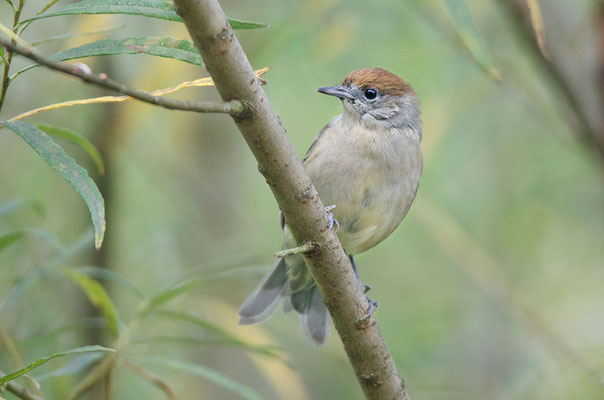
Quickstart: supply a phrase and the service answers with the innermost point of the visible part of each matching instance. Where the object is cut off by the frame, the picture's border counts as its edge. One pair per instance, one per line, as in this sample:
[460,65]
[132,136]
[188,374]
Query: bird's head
[378,99]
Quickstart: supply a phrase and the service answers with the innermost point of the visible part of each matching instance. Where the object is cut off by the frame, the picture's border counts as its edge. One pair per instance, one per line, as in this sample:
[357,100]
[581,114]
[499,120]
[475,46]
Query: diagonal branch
[235,108]
[20,391]
[575,70]
[278,162]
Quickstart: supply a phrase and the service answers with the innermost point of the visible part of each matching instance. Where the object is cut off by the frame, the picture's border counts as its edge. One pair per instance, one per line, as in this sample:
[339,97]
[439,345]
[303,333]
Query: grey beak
[338,91]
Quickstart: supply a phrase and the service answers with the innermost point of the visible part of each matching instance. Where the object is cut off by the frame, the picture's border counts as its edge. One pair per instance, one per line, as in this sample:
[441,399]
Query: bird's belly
[368,210]
[372,183]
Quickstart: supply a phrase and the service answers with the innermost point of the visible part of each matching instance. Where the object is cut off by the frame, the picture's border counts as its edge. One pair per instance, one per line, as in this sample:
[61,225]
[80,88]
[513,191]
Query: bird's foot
[373,305]
[366,288]
[332,221]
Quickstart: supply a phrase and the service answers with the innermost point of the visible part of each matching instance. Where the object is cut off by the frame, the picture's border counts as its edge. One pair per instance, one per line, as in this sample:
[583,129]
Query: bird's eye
[370,94]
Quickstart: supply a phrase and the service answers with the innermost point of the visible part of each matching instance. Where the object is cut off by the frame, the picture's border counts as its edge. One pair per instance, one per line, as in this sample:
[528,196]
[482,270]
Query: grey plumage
[266,297]
[276,287]
[367,161]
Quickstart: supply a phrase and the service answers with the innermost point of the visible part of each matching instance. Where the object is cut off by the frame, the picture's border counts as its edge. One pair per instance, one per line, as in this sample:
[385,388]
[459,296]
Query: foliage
[491,287]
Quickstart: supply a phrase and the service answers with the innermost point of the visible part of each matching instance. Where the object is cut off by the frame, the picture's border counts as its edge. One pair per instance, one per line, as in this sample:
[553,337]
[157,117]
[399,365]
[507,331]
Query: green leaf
[44,360]
[181,50]
[73,367]
[211,375]
[47,6]
[226,338]
[77,327]
[9,239]
[465,28]
[104,274]
[49,237]
[168,294]
[11,206]
[81,141]
[65,36]
[77,176]
[97,295]
[148,8]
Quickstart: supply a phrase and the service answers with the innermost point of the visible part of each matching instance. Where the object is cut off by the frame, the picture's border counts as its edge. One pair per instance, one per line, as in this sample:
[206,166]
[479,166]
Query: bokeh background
[492,287]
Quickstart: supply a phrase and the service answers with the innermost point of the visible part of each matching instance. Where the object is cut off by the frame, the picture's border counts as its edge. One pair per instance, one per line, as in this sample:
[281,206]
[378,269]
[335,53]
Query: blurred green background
[492,287]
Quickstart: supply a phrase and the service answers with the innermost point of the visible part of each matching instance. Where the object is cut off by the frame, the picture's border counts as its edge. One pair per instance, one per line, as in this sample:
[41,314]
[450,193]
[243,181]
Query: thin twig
[308,246]
[20,391]
[115,99]
[236,108]
[150,377]
[93,376]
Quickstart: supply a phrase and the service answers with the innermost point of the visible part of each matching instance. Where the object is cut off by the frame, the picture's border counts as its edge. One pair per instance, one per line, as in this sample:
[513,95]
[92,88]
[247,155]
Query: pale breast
[371,179]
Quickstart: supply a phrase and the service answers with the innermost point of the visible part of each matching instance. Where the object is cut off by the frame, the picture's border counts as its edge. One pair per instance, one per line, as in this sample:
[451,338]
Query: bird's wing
[319,136]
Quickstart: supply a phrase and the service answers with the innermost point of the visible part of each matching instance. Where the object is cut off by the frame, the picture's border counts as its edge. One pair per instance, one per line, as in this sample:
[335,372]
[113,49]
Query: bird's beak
[338,91]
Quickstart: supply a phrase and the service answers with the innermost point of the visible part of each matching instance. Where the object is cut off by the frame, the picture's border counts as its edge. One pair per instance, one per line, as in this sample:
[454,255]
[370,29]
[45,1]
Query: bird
[366,163]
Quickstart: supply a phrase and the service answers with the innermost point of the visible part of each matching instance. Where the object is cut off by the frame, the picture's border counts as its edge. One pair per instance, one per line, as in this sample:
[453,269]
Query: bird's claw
[373,305]
[366,288]
[332,221]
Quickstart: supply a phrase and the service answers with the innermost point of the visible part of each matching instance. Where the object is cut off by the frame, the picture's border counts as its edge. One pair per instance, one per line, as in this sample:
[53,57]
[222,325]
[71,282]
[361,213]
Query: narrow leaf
[77,176]
[47,6]
[17,203]
[97,295]
[44,360]
[168,294]
[48,237]
[81,141]
[104,274]
[161,9]
[211,375]
[77,327]
[211,342]
[11,206]
[537,22]
[73,366]
[65,36]
[227,338]
[9,239]
[465,28]
[181,50]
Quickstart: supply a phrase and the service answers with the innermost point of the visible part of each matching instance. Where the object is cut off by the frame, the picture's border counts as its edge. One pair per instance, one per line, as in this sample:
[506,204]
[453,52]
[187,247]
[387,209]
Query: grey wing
[309,152]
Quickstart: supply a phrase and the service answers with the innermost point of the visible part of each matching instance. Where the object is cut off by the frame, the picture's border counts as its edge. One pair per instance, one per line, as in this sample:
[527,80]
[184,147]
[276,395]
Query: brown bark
[278,162]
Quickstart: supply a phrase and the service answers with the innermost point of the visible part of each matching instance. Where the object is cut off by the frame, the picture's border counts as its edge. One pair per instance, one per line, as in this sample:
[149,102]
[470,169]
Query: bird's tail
[266,297]
[275,287]
[313,314]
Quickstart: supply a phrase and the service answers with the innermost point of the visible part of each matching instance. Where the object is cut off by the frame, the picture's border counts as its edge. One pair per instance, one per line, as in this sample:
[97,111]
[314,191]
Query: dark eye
[370,94]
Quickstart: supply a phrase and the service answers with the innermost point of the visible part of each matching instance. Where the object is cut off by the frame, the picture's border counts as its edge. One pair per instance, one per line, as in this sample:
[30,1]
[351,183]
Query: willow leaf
[57,159]
[161,9]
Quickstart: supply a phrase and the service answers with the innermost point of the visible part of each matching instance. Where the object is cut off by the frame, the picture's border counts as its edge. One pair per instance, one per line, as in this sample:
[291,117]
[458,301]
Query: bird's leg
[332,221]
[373,305]
[366,288]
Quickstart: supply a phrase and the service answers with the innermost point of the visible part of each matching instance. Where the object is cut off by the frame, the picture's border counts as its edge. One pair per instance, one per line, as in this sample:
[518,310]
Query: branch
[580,80]
[20,391]
[235,108]
[278,162]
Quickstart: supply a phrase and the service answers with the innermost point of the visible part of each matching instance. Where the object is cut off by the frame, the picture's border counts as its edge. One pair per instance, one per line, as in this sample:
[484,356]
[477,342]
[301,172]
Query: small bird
[367,162]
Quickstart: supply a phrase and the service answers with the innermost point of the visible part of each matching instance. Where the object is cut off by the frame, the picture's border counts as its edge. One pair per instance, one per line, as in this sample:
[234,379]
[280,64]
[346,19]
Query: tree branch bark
[305,214]
[234,107]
